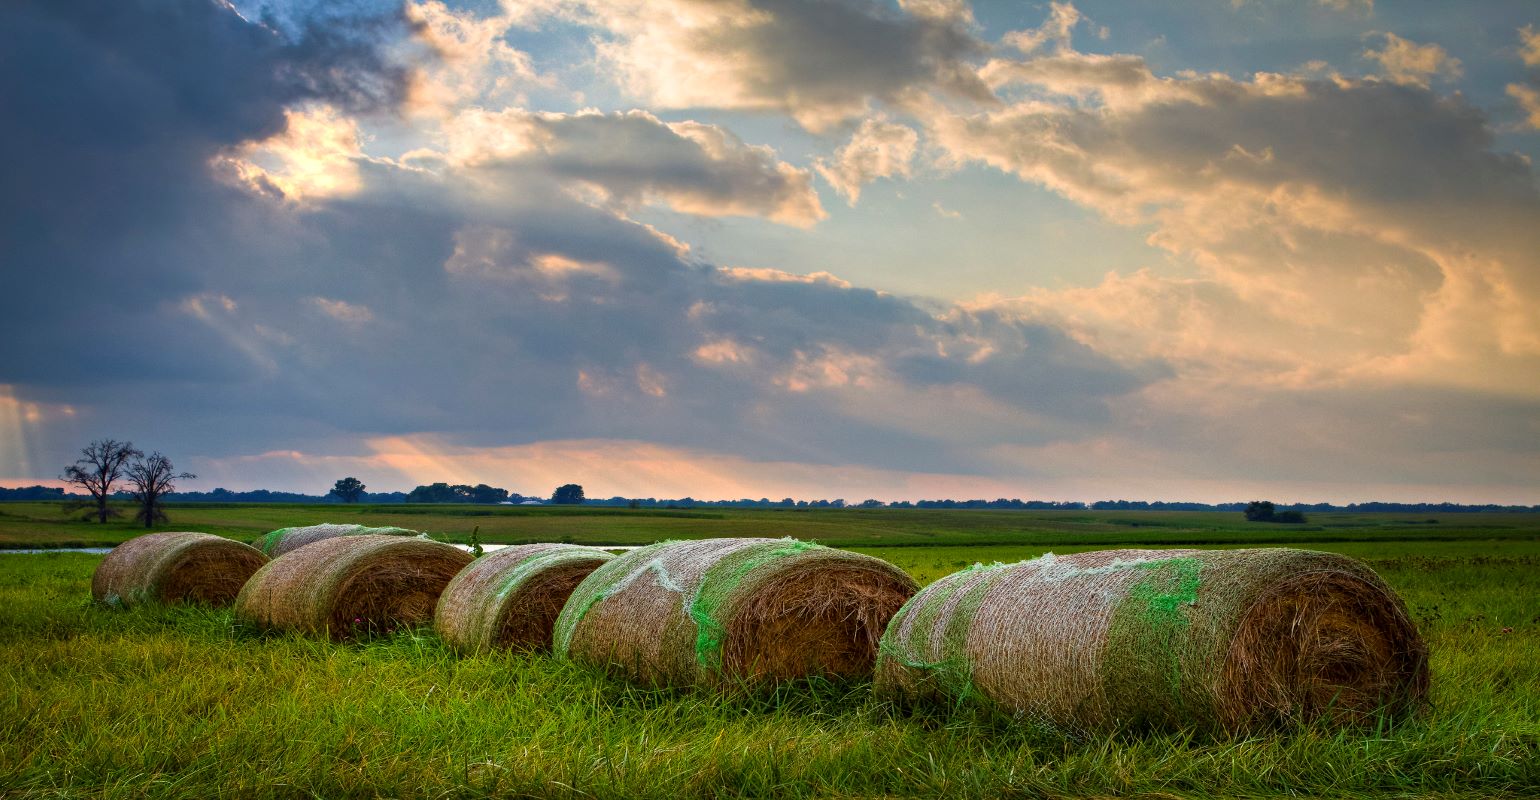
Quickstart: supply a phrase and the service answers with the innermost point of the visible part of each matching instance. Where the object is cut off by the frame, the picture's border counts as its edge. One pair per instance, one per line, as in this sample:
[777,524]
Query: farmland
[179,702]
[43,525]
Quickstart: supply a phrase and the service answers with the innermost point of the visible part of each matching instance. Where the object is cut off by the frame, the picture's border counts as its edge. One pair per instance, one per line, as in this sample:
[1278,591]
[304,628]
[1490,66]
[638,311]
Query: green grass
[176,702]
[930,563]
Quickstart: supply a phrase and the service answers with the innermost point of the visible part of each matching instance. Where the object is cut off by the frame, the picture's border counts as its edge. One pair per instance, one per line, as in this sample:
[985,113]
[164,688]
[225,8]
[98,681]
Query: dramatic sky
[1203,250]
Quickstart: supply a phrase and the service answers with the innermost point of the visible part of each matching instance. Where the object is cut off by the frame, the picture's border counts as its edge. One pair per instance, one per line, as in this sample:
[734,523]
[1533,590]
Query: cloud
[1528,99]
[469,58]
[315,156]
[1367,6]
[820,62]
[957,11]
[1058,28]
[877,150]
[491,301]
[1527,95]
[113,201]
[342,310]
[1114,80]
[1529,45]
[633,158]
[1324,248]
[782,276]
[1405,61]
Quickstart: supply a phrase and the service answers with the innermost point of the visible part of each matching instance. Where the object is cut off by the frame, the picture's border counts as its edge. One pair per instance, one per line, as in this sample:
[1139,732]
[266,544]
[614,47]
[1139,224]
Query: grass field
[43,525]
[179,703]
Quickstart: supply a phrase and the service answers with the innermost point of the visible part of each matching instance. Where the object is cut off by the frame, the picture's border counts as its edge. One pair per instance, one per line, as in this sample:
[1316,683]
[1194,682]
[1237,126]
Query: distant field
[43,525]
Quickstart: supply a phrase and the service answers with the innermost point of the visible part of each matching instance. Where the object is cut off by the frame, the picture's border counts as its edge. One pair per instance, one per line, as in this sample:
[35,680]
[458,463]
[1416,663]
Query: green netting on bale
[605,582]
[1149,641]
[934,633]
[281,541]
[1232,639]
[717,611]
[508,598]
[720,584]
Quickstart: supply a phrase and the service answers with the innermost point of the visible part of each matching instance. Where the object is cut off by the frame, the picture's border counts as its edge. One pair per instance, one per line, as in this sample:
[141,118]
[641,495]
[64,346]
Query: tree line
[351,490]
[111,470]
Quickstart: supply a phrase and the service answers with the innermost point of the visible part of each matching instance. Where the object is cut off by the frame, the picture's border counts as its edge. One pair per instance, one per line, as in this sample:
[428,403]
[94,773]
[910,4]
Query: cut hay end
[1235,640]
[732,612]
[284,540]
[175,567]
[510,598]
[351,586]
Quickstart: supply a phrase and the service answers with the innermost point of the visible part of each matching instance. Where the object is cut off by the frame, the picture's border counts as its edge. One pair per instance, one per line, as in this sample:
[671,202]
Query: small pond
[29,551]
[99,550]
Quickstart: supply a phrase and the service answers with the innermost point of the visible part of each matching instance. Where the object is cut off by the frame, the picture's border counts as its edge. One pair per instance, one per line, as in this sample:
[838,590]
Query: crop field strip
[42,524]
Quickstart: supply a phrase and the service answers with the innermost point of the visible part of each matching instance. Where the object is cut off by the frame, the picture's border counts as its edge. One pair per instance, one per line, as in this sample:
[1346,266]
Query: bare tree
[99,467]
[151,478]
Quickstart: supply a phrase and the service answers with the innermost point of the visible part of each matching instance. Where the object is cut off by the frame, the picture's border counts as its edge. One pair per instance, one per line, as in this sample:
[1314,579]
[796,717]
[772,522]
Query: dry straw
[175,567]
[351,586]
[510,597]
[732,612]
[1235,640]
[283,540]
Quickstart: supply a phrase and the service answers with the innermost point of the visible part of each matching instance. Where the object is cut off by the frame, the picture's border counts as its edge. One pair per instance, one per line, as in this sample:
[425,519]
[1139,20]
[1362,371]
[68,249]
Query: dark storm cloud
[112,111]
[481,304]
[832,52]
[634,158]
[820,62]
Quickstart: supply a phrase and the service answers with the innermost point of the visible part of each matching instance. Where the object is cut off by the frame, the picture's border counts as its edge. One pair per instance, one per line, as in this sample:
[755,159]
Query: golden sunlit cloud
[876,150]
[471,59]
[314,158]
[1528,99]
[1305,273]
[1405,61]
[781,276]
[1529,45]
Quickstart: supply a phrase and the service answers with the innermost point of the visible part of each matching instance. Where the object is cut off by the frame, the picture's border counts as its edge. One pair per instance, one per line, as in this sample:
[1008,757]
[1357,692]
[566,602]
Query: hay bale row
[1234,640]
[1223,639]
[510,598]
[175,567]
[725,612]
[283,540]
[351,586]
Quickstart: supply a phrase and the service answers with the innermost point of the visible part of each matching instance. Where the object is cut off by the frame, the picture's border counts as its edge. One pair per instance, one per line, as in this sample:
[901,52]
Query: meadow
[180,702]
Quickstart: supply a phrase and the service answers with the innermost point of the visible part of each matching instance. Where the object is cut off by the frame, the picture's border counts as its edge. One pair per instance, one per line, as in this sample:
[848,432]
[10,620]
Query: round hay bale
[728,612]
[283,540]
[175,567]
[510,597]
[1233,640]
[351,586]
